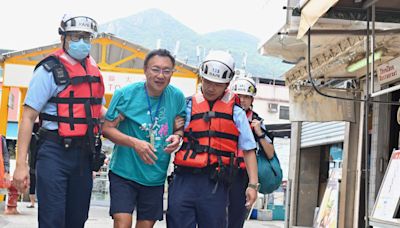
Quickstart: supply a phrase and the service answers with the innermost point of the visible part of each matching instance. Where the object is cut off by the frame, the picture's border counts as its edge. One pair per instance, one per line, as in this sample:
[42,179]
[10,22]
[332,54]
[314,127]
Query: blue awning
[12,130]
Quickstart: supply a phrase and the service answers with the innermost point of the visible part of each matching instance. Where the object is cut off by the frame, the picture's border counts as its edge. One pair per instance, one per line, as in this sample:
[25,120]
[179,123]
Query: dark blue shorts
[126,195]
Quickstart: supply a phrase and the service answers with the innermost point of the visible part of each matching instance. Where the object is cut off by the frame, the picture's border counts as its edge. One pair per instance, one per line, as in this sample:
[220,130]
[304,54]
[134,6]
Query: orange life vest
[211,136]
[79,104]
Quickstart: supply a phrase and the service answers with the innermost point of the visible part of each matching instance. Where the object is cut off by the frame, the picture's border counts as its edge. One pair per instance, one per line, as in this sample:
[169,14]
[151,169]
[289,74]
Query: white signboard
[308,105]
[387,203]
[389,72]
[17,75]
[328,211]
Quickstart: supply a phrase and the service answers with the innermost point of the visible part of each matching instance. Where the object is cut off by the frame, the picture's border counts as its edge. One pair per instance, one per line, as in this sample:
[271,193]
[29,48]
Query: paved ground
[98,218]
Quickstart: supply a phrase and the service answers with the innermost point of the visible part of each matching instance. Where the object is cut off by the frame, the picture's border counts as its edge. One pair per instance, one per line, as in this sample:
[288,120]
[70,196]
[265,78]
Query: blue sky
[28,24]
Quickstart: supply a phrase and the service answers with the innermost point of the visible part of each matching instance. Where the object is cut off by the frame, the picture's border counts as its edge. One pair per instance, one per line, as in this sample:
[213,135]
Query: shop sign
[389,71]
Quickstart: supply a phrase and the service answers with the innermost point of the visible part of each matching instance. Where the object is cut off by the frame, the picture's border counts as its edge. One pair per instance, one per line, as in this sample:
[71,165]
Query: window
[284,112]
[272,107]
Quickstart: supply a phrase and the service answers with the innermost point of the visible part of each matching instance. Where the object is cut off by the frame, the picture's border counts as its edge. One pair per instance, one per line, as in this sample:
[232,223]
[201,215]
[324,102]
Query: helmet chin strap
[63,45]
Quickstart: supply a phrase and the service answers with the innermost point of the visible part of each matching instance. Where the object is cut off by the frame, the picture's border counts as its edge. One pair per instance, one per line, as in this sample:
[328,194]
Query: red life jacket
[79,104]
[211,136]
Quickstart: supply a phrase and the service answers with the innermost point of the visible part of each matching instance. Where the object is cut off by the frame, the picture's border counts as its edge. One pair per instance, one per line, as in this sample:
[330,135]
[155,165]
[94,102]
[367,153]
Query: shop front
[346,61]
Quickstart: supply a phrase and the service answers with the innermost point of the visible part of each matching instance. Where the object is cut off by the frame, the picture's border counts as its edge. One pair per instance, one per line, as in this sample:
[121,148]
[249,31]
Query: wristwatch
[254,186]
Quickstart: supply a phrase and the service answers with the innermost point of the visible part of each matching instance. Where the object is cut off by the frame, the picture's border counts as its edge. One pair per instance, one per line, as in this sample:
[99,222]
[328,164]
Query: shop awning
[311,12]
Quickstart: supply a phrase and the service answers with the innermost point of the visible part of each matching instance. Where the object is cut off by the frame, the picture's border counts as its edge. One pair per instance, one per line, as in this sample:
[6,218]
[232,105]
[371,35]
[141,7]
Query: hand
[145,151]
[21,177]
[6,181]
[251,196]
[179,122]
[174,141]
[256,124]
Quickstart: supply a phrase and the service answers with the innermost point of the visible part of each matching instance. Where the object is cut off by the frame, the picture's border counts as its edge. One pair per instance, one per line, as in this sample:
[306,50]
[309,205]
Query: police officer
[245,87]
[67,93]
[215,128]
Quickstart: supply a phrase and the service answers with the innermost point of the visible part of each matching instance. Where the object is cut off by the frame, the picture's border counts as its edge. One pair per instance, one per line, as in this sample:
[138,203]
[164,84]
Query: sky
[34,23]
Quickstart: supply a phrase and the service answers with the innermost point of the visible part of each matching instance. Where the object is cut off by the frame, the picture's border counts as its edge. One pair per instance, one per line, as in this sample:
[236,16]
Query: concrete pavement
[98,218]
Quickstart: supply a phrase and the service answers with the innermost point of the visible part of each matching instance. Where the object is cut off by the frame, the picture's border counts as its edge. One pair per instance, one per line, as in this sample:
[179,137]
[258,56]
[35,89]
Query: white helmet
[218,66]
[77,23]
[245,86]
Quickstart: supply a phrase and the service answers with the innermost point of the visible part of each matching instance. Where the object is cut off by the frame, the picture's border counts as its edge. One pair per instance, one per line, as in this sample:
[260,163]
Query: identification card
[152,137]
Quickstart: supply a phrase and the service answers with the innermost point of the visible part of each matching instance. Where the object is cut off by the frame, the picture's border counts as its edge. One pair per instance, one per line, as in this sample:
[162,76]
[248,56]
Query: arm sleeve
[41,88]
[116,106]
[188,112]
[246,138]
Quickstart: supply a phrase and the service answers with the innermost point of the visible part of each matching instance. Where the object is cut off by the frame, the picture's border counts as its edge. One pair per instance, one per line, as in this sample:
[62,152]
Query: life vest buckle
[208,115]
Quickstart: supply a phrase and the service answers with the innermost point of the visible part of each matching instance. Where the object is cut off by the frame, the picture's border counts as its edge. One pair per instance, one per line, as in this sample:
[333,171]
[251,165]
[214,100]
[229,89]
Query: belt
[65,141]
[193,170]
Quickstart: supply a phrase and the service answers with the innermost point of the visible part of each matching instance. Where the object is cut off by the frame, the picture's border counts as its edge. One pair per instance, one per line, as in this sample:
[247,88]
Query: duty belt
[67,142]
[193,170]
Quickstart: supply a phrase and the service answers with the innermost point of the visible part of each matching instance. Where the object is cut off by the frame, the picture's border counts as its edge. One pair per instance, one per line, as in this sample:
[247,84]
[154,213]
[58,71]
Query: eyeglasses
[166,72]
[78,36]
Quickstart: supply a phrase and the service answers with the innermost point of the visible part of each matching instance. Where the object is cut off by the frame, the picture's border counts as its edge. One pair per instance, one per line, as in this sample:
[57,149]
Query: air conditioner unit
[272,107]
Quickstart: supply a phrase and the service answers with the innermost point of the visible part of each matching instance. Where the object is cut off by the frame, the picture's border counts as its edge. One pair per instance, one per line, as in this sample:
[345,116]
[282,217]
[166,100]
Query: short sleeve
[246,138]
[117,103]
[188,111]
[41,88]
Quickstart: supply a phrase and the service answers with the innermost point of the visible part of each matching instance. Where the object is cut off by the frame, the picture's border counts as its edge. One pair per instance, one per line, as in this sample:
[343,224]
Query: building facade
[341,74]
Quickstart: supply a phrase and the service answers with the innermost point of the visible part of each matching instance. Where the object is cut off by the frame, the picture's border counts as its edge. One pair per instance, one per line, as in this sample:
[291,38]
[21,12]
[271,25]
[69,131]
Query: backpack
[269,173]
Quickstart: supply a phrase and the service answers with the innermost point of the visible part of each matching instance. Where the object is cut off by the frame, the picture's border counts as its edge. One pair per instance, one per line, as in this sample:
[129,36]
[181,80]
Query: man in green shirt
[140,121]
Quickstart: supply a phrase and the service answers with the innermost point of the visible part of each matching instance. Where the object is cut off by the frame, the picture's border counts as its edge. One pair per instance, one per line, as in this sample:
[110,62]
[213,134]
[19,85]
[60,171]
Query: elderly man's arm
[144,149]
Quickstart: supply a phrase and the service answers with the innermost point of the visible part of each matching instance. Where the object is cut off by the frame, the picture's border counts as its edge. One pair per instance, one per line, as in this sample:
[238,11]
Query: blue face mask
[78,49]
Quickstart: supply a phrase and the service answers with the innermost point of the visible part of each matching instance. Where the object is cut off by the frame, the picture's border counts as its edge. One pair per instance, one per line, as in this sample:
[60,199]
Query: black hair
[158,52]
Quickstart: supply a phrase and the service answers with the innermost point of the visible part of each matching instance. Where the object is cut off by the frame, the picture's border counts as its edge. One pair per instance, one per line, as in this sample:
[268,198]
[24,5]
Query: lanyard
[153,121]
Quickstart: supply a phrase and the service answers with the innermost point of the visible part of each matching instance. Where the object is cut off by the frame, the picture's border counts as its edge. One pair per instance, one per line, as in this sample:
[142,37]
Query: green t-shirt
[131,101]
